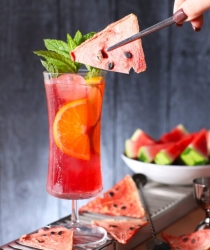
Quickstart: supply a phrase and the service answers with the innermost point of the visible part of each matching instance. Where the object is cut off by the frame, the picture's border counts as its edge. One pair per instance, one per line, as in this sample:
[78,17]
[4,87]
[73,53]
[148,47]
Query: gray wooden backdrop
[174,89]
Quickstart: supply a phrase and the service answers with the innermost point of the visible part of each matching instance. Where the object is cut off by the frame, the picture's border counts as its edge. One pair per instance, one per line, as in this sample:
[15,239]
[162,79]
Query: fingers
[194,9]
[177,5]
[197,23]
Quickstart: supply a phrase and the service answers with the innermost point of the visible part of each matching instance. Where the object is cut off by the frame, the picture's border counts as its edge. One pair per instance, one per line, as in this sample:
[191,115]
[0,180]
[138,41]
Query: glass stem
[74,213]
[207,220]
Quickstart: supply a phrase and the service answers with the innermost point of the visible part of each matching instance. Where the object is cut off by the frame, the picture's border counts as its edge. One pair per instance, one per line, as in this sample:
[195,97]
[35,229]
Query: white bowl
[170,175]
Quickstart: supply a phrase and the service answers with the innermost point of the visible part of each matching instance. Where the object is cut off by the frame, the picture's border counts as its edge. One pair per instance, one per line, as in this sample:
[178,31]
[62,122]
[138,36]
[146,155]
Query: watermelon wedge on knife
[137,140]
[93,51]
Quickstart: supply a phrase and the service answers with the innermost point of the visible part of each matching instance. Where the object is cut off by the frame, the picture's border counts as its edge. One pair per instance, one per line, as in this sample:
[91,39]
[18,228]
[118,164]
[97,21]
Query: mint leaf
[57,46]
[78,38]
[57,56]
[60,61]
[92,71]
[88,36]
[71,43]
[49,67]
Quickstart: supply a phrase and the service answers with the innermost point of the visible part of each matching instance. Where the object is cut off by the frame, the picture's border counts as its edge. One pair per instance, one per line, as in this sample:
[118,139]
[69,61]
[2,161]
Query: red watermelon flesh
[174,135]
[168,155]
[200,143]
[121,200]
[199,240]
[196,152]
[208,141]
[147,153]
[49,238]
[138,139]
[93,51]
[121,230]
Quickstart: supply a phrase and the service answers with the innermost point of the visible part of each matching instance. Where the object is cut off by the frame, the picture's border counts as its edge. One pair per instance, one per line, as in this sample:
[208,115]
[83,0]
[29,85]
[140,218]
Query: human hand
[194,9]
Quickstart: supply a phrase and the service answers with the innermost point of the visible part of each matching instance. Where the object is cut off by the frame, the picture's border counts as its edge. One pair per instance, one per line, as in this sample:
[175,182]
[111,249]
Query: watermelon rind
[143,156]
[136,134]
[192,157]
[182,128]
[129,152]
[137,140]
[162,158]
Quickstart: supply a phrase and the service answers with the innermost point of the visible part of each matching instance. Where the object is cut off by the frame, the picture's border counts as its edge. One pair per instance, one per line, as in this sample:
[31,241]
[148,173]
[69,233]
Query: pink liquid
[70,177]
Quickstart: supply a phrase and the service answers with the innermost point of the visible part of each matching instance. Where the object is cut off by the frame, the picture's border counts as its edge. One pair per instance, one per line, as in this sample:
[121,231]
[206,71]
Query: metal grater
[167,204]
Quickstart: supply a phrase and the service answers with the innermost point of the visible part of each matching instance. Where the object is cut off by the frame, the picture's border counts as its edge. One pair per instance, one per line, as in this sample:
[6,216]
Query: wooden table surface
[185,225]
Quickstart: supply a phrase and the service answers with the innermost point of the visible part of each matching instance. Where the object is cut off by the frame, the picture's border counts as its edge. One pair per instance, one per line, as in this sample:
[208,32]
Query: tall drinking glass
[202,196]
[74,104]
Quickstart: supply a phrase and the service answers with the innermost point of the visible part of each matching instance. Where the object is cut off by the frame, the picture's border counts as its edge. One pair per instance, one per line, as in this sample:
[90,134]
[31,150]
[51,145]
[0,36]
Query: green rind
[162,158]
[128,150]
[191,157]
[142,156]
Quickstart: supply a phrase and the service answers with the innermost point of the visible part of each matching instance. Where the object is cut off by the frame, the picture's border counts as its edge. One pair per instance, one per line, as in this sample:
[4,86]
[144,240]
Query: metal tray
[167,204]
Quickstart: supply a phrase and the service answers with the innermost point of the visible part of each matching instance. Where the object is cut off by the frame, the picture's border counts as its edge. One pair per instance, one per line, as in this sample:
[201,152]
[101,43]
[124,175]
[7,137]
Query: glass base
[87,235]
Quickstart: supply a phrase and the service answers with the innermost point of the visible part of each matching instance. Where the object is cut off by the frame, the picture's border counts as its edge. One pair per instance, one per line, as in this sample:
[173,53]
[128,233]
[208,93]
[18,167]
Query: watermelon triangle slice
[49,238]
[147,153]
[195,241]
[121,200]
[176,134]
[208,141]
[93,51]
[137,140]
[169,154]
[121,230]
[196,153]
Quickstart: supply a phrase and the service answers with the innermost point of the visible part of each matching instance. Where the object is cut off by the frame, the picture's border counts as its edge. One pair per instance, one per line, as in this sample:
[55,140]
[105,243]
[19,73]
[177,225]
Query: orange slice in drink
[70,129]
[95,98]
[94,80]
[95,138]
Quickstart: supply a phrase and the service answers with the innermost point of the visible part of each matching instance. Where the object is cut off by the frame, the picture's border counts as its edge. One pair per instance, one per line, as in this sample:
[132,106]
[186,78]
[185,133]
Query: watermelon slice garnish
[49,238]
[121,200]
[199,240]
[121,230]
[93,51]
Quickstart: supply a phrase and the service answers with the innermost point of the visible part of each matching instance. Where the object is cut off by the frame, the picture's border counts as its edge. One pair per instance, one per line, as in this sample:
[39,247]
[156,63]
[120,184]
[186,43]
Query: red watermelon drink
[74,111]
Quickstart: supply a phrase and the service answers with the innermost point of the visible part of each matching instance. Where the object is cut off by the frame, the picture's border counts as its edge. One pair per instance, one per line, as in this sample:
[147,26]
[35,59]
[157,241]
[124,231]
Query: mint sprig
[57,56]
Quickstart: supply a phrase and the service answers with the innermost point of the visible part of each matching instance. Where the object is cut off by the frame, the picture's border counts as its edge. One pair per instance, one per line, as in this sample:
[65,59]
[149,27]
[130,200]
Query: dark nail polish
[179,24]
[196,29]
[179,16]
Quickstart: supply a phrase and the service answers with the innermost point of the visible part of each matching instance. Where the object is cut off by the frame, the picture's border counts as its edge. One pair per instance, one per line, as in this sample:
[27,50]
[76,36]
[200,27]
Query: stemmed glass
[202,197]
[74,104]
